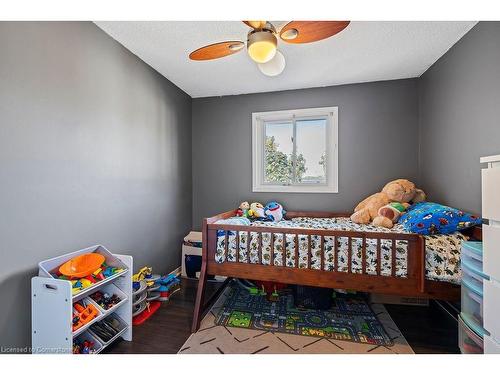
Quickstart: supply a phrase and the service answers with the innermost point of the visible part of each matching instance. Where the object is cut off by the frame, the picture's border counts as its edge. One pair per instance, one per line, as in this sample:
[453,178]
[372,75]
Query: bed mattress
[442,251]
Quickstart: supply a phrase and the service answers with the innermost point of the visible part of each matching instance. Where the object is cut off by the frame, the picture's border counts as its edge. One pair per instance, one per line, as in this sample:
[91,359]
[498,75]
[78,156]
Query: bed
[328,250]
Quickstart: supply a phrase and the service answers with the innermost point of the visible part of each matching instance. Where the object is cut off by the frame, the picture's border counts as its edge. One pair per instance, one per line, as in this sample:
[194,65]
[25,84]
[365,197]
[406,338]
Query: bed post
[200,293]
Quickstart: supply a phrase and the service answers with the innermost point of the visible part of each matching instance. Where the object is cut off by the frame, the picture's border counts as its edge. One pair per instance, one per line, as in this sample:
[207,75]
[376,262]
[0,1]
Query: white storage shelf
[52,304]
[490,188]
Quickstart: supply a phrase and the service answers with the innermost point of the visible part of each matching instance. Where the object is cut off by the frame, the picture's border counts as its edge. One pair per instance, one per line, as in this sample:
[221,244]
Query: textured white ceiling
[364,51]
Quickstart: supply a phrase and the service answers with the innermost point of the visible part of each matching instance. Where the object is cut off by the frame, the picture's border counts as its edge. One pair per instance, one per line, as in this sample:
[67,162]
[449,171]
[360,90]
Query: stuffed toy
[256,211]
[400,191]
[274,211]
[243,209]
[390,214]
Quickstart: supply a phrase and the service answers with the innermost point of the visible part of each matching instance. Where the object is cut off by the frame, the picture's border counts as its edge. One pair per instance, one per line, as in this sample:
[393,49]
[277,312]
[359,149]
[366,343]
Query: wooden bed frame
[413,285]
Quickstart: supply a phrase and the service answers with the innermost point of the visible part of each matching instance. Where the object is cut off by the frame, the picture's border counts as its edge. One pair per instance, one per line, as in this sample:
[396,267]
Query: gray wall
[378,141]
[95,147]
[459,117]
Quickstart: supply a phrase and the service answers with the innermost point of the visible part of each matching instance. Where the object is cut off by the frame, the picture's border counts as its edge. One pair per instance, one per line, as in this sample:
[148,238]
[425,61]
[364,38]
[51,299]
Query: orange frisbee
[82,265]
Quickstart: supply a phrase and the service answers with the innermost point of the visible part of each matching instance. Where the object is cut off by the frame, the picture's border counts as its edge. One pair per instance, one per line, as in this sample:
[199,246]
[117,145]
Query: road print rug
[241,322]
[349,319]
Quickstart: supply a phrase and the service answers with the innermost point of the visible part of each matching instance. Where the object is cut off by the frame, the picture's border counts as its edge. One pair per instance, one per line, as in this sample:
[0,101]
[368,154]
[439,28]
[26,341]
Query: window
[295,151]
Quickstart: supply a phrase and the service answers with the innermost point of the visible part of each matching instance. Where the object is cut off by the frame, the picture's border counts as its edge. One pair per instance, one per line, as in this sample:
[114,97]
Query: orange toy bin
[82,265]
[83,315]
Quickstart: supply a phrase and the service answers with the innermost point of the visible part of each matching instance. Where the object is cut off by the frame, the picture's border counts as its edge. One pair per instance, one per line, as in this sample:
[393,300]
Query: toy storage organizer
[490,189]
[52,304]
[471,332]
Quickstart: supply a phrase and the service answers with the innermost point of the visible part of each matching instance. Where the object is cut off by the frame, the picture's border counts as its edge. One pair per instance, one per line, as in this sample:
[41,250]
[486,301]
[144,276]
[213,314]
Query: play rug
[351,326]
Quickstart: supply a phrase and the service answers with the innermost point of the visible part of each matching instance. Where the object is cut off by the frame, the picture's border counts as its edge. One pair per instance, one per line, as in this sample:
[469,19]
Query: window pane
[278,152]
[311,151]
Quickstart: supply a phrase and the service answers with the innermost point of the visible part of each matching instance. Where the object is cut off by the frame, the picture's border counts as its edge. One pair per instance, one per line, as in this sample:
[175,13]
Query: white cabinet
[491,250]
[490,188]
[491,346]
[490,184]
[491,307]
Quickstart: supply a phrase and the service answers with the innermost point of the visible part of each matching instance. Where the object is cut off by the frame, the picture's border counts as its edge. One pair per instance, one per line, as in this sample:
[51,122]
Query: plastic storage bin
[191,254]
[87,336]
[469,341]
[472,254]
[472,302]
[119,329]
[472,275]
[48,266]
[88,301]
[110,289]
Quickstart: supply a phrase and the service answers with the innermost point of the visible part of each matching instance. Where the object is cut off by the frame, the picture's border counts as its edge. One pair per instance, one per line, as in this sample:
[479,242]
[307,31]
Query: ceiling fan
[262,42]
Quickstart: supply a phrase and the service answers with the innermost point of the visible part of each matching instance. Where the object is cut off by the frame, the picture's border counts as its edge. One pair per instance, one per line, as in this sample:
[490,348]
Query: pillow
[434,218]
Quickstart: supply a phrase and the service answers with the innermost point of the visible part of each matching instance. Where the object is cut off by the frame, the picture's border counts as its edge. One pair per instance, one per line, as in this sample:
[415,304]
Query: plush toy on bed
[398,191]
[274,211]
[392,212]
[243,209]
[256,211]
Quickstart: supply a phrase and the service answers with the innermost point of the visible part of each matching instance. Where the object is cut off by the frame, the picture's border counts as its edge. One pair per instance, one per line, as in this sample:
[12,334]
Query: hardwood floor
[427,329]
[168,328]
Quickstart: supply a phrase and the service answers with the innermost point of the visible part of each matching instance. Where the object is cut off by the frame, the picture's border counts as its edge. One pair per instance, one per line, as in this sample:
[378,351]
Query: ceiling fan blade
[311,31]
[217,50]
[255,24]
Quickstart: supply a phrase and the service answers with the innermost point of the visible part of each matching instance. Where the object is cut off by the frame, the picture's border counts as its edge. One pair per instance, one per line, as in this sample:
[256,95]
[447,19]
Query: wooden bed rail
[413,283]
[414,253]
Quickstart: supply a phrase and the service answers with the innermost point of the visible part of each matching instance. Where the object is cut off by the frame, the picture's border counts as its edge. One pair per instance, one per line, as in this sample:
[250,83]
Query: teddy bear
[400,191]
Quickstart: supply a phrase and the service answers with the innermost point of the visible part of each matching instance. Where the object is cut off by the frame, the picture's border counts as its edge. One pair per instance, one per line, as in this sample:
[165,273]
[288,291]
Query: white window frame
[258,140]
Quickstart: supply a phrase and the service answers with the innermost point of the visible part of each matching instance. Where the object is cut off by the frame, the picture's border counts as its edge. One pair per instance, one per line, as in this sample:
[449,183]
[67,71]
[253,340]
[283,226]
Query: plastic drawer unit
[469,341]
[472,254]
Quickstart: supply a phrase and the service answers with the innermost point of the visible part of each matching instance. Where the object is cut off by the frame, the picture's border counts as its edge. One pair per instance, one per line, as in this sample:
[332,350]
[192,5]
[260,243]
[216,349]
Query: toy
[146,274]
[392,212]
[274,211]
[105,300]
[254,291]
[400,191]
[161,290]
[83,313]
[83,347]
[256,211]
[243,209]
[82,265]
[141,275]
[168,285]
[92,274]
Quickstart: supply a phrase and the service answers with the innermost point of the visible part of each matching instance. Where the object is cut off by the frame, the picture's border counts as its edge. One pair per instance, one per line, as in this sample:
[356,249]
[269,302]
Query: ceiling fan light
[257,24]
[261,46]
[273,67]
